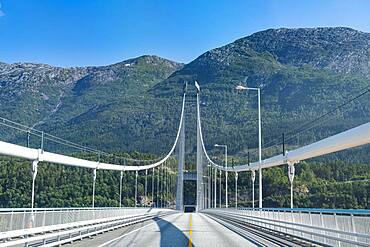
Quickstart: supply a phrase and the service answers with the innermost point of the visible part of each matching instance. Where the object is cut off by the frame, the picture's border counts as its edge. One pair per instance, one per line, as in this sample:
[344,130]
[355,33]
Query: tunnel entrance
[190,196]
[189,208]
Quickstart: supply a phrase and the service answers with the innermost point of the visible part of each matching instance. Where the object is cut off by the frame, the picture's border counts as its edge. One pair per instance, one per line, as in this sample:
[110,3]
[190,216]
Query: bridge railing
[328,226]
[23,218]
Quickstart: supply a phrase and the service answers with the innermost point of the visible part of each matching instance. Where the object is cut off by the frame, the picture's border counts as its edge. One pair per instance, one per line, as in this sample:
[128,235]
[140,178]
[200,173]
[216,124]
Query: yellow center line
[191,231]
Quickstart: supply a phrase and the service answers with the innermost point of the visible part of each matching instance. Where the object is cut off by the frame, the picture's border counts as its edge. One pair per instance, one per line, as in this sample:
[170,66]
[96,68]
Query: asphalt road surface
[190,229]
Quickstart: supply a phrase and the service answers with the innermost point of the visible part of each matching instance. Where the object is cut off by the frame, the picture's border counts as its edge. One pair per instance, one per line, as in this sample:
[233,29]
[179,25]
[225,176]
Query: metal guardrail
[24,218]
[106,219]
[327,226]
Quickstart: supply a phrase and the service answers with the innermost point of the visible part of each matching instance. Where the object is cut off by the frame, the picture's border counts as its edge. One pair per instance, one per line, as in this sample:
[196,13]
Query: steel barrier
[333,227]
[23,218]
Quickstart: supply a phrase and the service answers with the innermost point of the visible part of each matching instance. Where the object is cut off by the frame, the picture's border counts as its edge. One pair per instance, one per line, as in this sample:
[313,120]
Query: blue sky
[99,32]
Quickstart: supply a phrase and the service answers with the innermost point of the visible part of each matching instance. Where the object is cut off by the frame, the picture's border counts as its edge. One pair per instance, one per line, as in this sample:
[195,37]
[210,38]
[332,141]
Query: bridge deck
[182,229]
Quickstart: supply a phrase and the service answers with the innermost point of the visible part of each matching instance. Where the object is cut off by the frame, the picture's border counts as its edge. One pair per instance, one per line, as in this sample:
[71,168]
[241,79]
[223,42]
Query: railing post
[52,217]
[310,216]
[273,217]
[44,218]
[60,216]
[293,220]
[322,225]
[337,227]
[11,221]
[353,226]
[24,220]
[301,221]
[285,219]
[80,215]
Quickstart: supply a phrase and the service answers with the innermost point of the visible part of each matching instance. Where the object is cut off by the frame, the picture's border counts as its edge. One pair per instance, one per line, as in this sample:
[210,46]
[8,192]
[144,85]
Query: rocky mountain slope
[50,98]
[133,105]
[342,50]
[303,73]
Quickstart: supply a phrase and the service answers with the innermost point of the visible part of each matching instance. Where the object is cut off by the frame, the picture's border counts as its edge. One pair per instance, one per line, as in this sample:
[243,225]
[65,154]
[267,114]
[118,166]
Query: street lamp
[207,191]
[241,87]
[215,189]
[209,167]
[226,198]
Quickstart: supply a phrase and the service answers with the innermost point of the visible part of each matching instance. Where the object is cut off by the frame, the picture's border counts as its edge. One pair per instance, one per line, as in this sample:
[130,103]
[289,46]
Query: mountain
[134,106]
[54,99]
[342,50]
[303,73]
[41,87]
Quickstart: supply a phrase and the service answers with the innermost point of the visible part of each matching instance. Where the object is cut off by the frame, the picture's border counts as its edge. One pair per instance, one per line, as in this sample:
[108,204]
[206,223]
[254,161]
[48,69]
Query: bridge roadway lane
[183,230]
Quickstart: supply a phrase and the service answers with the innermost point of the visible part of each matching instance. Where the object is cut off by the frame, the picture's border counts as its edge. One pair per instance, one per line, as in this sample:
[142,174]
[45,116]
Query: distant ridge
[132,105]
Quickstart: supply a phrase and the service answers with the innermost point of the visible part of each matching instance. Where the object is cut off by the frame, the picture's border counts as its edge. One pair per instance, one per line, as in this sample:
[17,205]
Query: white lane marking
[124,235]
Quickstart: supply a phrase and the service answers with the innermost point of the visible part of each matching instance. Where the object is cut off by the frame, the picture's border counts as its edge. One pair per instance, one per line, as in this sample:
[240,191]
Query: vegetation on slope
[134,106]
[317,185]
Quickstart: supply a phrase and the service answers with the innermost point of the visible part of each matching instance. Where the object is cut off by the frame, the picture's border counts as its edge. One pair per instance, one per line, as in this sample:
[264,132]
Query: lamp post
[236,190]
[146,183]
[206,192]
[120,189]
[152,187]
[219,195]
[93,192]
[215,188]
[226,198]
[253,178]
[209,185]
[240,87]
[157,194]
[136,175]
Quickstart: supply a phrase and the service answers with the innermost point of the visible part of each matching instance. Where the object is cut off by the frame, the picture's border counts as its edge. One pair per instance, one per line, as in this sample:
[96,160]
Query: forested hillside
[315,82]
[303,74]
[317,184]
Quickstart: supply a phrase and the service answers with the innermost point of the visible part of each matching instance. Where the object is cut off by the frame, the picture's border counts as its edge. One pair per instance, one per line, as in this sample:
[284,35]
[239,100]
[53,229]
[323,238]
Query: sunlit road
[180,229]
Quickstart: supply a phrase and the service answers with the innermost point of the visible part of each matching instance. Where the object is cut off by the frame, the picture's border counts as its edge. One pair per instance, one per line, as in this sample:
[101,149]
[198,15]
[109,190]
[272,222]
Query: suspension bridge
[163,223]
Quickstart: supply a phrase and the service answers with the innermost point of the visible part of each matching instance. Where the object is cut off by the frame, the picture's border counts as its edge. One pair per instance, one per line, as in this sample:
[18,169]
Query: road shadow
[171,235]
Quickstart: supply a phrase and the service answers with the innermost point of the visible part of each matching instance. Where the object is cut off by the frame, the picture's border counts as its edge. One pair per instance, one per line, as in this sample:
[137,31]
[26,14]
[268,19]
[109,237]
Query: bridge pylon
[180,168]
